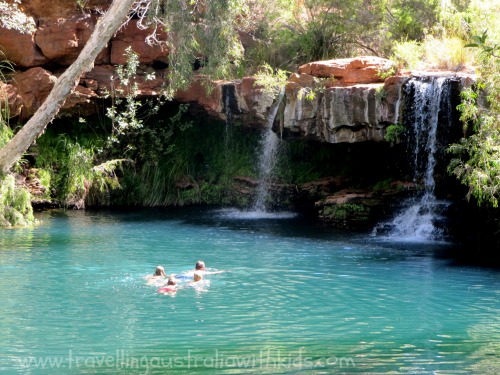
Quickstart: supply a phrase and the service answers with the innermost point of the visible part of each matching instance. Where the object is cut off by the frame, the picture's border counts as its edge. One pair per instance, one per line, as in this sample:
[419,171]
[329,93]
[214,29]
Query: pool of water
[295,299]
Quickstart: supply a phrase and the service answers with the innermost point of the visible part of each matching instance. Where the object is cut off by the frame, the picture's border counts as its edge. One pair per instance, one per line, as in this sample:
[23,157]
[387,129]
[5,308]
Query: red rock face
[20,49]
[197,93]
[34,85]
[62,39]
[60,8]
[351,103]
[132,36]
[9,96]
[363,69]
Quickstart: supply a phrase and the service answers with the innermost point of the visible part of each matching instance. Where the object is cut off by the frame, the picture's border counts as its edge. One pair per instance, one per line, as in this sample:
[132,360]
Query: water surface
[296,299]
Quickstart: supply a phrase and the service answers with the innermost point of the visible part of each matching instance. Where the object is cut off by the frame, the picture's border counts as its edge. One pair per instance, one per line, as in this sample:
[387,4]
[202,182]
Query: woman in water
[157,277]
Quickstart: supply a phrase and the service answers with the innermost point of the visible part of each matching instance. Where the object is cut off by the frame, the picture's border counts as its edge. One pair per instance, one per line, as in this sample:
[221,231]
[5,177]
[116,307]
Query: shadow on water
[290,226]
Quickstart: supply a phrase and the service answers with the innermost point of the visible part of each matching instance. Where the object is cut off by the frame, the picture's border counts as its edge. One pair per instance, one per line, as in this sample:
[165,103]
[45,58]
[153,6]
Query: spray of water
[269,148]
[417,221]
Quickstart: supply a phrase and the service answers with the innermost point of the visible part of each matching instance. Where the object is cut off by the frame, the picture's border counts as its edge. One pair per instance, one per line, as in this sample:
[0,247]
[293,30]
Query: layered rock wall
[334,101]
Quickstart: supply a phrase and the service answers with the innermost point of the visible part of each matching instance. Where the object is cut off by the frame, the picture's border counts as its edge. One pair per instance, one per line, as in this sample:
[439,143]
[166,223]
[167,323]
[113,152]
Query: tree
[476,161]
[65,84]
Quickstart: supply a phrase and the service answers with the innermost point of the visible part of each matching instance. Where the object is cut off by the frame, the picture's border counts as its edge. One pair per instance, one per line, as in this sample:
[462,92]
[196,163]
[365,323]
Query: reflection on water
[296,299]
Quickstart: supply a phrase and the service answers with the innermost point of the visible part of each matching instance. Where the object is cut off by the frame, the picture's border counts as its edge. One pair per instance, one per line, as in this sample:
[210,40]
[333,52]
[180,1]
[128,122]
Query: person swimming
[156,277]
[160,271]
[199,266]
[171,286]
[199,283]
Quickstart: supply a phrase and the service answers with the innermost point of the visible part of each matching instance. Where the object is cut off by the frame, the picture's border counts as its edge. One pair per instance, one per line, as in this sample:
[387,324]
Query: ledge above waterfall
[347,100]
[353,113]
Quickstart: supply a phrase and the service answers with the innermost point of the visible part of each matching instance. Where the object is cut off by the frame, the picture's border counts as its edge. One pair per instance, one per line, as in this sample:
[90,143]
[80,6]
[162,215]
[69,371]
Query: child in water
[171,286]
[198,282]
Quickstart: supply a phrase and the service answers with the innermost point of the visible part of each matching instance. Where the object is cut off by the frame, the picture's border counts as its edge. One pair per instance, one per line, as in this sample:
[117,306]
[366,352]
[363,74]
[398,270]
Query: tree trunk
[64,86]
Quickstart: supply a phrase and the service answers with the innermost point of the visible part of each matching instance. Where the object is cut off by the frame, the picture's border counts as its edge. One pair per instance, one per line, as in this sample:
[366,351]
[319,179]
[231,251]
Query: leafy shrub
[15,204]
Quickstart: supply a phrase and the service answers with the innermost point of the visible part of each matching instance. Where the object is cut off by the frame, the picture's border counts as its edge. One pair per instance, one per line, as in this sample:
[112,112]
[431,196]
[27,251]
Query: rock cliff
[334,101]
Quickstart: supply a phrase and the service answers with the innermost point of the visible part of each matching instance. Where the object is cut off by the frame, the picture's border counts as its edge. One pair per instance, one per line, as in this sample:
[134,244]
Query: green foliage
[81,4]
[194,169]
[383,74]
[123,111]
[492,50]
[271,81]
[410,19]
[15,204]
[154,142]
[346,211]
[306,161]
[5,131]
[432,52]
[407,54]
[476,161]
[476,158]
[318,86]
[383,185]
[67,165]
[393,132]
[290,33]
[197,31]
[380,93]
[6,68]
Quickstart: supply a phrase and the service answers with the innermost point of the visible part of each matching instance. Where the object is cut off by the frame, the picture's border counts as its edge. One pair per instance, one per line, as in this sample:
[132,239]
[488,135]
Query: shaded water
[296,300]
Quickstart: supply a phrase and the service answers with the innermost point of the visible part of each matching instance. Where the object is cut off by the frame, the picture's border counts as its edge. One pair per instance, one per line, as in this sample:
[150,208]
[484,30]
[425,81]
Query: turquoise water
[295,300]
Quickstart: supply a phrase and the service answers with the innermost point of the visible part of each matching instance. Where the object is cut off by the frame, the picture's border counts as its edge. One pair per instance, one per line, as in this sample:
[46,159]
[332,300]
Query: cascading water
[417,221]
[268,149]
[269,146]
[229,119]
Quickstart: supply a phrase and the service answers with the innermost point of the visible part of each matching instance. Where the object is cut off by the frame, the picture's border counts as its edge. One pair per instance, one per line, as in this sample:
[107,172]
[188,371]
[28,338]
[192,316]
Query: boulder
[61,40]
[133,36]
[363,69]
[99,80]
[20,49]
[197,93]
[34,85]
[338,114]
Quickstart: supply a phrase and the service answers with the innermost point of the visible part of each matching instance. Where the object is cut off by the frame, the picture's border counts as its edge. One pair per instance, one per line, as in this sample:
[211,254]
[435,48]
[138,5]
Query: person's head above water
[200,265]
[197,277]
[171,281]
[160,271]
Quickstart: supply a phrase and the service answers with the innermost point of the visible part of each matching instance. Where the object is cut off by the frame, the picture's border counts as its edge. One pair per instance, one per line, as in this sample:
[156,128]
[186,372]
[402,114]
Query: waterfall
[229,119]
[417,221]
[269,146]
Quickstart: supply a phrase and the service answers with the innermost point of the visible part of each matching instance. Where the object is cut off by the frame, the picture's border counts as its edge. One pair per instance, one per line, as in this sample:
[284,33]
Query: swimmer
[171,280]
[197,277]
[198,282]
[157,277]
[199,266]
[160,271]
[201,269]
[171,286]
